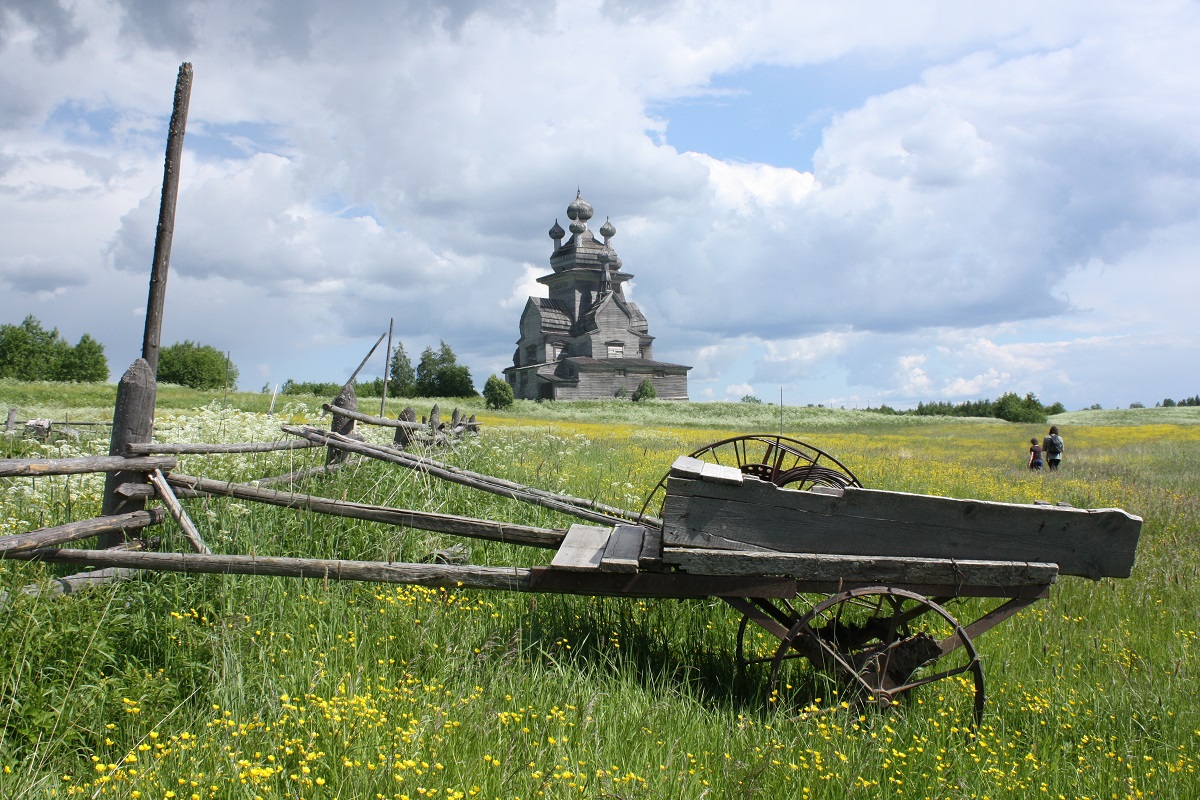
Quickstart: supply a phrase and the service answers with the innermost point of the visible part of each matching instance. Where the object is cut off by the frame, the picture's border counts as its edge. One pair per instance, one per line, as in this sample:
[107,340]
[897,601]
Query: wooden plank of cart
[764,521]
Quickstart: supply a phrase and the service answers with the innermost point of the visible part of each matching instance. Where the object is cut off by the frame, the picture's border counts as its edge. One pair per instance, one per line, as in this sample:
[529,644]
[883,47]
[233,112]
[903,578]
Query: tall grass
[211,686]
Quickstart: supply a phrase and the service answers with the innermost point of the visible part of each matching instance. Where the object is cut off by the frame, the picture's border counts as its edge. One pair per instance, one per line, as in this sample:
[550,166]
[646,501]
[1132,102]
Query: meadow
[176,686]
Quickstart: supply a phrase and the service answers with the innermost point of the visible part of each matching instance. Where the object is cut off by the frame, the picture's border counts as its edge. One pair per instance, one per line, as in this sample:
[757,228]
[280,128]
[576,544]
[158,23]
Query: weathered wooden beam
[146,448]
[143,490]
[36,467]
[658,584]
[172,503]
[304,474]
[860,569]
[445,576]
[74,531]
[581,508]
[166,217]
[422,520]
[383,422]
[761,516]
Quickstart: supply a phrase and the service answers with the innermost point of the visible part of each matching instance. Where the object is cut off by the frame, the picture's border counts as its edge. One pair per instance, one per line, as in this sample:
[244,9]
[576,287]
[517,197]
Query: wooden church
[586,341]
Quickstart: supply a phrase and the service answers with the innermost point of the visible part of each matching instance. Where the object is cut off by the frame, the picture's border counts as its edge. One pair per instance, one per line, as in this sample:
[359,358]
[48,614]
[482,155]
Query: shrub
[751,400]
[645,391]
[198,366]
[497,393]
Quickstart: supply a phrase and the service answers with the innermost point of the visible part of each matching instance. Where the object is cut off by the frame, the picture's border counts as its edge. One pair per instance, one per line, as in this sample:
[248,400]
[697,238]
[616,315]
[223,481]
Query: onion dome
[578,227]
[557,232]
[607,230]
[606,255]
[580,209]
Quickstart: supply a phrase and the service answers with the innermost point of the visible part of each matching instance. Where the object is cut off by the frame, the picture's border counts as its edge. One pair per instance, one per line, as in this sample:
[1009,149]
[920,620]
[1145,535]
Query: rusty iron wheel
[883,643]
[770,457]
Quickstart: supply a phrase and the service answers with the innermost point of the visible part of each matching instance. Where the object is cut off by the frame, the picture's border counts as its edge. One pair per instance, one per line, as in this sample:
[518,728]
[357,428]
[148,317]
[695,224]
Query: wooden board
[658,584]
[650,557]
[694,468]
[623,548]
[582,548]
[761,516]
[860,569]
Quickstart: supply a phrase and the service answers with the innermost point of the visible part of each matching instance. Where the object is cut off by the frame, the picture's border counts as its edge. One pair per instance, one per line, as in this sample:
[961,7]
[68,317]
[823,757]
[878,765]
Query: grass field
[202,686]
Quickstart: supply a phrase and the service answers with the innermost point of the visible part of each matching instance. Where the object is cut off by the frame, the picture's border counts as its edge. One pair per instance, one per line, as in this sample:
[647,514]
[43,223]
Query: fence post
[133,421]
[347,398]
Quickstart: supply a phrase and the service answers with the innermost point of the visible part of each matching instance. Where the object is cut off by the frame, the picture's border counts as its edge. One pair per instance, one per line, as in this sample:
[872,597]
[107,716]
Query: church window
[616,350]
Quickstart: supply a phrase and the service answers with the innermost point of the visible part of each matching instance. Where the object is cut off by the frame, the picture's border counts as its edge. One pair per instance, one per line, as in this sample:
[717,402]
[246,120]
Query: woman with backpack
[1052,445]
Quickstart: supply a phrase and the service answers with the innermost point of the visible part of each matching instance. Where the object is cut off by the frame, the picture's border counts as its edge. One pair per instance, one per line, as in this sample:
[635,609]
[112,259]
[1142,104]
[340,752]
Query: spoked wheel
[777,459]
[883,643]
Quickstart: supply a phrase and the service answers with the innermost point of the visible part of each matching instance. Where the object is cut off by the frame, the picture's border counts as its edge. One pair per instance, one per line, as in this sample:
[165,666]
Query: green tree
[440,375]
[497,393]
[402,380]
[1016,409]
[197,366]
[29,352]
[645,391]
[751,399]
[84,363]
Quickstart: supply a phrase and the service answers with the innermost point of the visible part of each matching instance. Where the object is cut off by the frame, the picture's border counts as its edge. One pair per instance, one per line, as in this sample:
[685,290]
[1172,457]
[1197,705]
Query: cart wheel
[778,459]
[886,642]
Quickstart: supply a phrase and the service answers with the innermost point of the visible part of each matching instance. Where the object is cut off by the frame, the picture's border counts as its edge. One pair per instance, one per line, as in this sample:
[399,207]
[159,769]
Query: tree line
[29,352]
[437,374]
[1009,406]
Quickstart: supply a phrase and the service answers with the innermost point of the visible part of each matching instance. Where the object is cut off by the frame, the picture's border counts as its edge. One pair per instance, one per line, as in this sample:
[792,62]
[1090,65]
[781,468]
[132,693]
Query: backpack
[1054,445]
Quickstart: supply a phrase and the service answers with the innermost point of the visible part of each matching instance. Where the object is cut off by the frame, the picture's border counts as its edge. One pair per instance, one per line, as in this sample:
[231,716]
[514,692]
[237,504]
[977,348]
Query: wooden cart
[766,523]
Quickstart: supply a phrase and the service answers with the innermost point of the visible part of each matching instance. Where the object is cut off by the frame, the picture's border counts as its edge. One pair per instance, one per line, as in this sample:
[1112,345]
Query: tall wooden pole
[166,218]
[133,416]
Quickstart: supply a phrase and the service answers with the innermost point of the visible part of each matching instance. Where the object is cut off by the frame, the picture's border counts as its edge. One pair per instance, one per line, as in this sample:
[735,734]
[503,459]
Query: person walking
[1035,454]
[1052,446]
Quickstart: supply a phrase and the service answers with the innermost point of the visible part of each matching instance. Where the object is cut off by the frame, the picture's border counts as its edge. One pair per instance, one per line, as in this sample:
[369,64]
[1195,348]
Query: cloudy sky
[859,202]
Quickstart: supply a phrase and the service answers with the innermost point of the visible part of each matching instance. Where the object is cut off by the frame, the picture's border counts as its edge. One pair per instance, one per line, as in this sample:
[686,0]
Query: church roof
[555,316]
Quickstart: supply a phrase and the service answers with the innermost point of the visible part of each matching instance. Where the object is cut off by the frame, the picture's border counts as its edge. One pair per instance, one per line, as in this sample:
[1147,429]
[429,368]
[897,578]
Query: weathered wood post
[133,421]
[11,424]
[166,218]
[133,415]
[402,437]
[347,398]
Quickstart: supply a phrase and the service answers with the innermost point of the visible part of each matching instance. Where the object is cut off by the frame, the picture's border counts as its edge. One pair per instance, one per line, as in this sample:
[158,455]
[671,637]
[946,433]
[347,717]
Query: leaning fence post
[11,424]
[166,218]
[133,421]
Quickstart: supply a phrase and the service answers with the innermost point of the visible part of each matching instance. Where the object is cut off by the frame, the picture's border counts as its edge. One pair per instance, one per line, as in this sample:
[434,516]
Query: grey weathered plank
[687,467]
[650,557]
[761,516]
[720,473]
[623,548]
[582,548]
[857,569]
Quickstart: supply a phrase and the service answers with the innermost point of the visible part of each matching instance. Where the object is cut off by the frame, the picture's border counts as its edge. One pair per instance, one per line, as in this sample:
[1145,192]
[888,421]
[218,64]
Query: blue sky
[859,203]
